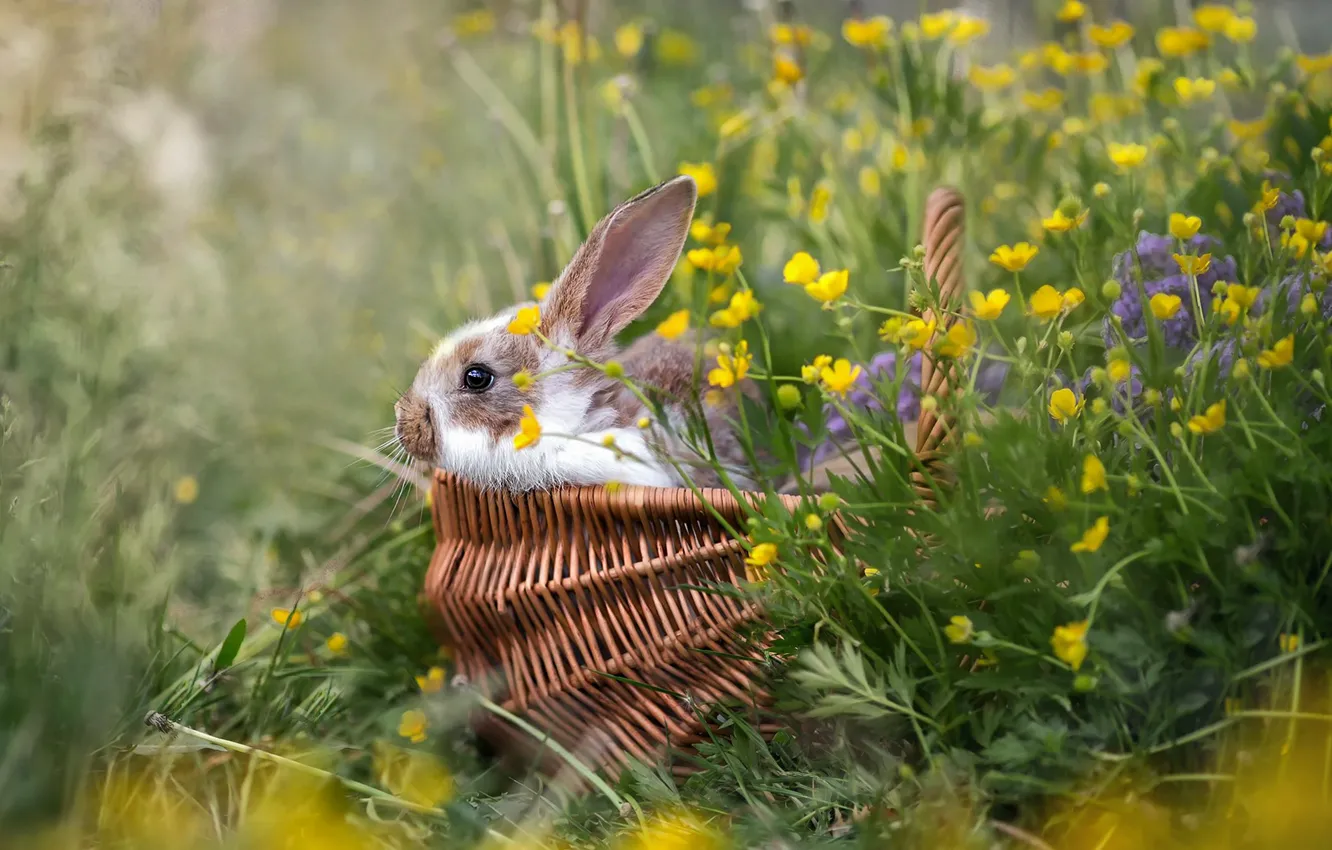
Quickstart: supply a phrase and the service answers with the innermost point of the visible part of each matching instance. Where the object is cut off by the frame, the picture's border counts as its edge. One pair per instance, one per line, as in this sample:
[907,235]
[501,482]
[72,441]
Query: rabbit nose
[415,428]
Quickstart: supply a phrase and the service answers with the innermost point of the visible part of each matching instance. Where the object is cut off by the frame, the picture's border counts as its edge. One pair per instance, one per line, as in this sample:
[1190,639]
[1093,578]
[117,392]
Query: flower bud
[1170,124]
[1176,430]
[789,396]
[1287,222]
[918,252]
[1317,154]
[1241,370]
[929,404]
[1083,683]
[1317,377]
[813,522]
[1219,288]
[1101,190]
[1021,345]
[1099,376]
[830,501]
[1152,396]
[1125,428]
[1250,220]
[1111,289]
[614,369]
[644,423]
[1099,406]
[1308,304]
[1065,340]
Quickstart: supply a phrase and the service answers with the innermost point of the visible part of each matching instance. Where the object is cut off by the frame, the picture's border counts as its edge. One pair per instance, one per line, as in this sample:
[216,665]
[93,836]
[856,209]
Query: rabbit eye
[478,379]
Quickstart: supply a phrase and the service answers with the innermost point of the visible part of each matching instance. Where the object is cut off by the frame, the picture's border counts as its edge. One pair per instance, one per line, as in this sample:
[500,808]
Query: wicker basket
[588,612]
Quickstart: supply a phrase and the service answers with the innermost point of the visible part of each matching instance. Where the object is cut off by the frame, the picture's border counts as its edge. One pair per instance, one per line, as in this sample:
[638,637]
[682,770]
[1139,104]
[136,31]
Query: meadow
[230,232]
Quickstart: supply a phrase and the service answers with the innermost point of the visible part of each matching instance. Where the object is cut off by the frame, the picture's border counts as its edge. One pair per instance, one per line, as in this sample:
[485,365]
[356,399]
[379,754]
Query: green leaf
[231,646]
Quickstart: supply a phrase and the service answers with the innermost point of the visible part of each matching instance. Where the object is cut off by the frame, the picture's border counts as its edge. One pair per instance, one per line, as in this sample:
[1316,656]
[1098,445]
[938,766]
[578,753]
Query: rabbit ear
[624,264]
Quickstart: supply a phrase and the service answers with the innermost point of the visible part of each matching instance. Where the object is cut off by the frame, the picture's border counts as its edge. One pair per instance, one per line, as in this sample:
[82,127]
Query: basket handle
[943,238]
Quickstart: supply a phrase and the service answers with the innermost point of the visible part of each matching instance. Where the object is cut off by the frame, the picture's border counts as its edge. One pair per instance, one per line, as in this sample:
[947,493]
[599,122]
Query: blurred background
[229,231]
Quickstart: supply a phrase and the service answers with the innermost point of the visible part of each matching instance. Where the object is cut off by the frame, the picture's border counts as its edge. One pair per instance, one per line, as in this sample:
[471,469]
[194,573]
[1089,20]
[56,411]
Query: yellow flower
[742,307]
[1288,643]
[1211,420]
[1312,231]
[723,259]
[1298,245]
[959,339]
[1165,306]
[839,377]
[731,368]
[1199,88]
[186,489]
[1047,100]
[1192,265]
[1093,475]
[1046,303]
[1073,298]
[1090,63]
[787,70]
[791,34]
[1055,498]
[1070,643]
[290,618]
[1126,156]
[416,776]
[1178,42]
[1065,404]
[829,287]
[1308,304]
[474,23]
[541,290]
[1313,65]
[1111,36]
[709,234]
[413,726]
[918,333]
[891,329]
[968,29]
[704,175]
[938,24]
[1119,369]
[820,199]
[870,33]
[1241,29]
[1072,10]
[1014,258]
[990,305]
[869,182]
[336,643]
[529,430]
[991,78]
[1101,190]
[432,682]
[762,555]
[801,269]
[959,629]
[1184,226]
[526,320]
[809,373]
[1058,222]
[1093,537]
[674,325]
[628,40]
[1213,17]
[1278,355]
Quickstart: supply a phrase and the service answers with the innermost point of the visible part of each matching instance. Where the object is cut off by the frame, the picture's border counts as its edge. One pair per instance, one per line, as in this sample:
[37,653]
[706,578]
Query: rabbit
[463,409]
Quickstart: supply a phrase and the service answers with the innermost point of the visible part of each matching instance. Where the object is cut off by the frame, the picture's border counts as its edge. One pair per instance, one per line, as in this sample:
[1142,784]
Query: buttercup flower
[742,307]
[413,726]
[540,290]
[1065,405]
[1189,90]
[1241,29]
[674,326]
[1093,537]
[526,320]
[1070,643]
[990,305]
[336,643]
[810,373]
[871,33]
[959,629]
[1014,258]
[801,269]
[1184,226]
[1178,42]
[290,618]
[1126,156]
[762,555]
[1279,355]
[1093,475]
[1072,10]
[731,368]
[1211,420]
[918,333]
[1111,36]
[529,429]
[432,682]
[1213,17]
[839,377]
[829,287]
[1046,303]
[1165,306]
[704,175]
[1073,298]
[937,24]
[709,234]
[1060,223]
[787,70]
[959,340]
[1153,255]
[968,29]
[1193,265]
[992,78]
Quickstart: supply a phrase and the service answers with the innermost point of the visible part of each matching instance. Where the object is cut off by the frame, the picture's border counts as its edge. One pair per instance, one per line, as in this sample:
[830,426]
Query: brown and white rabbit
[463,409]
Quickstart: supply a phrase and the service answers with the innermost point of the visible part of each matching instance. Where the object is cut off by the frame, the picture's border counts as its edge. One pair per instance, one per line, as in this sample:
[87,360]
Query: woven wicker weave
[586,612]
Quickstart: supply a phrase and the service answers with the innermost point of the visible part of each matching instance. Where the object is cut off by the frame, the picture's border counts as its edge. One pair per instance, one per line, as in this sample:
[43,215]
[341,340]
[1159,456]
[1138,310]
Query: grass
[224,257]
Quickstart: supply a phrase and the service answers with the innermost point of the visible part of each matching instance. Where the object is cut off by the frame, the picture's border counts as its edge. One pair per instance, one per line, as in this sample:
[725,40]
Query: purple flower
[864,394]
[1290,204]
[1154,255]
[1220,355]
[1295,287]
